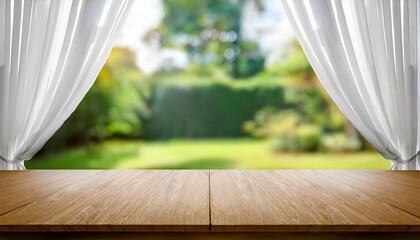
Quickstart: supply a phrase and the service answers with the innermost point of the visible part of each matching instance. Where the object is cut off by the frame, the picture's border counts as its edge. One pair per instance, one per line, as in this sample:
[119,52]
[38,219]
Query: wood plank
[208,236]
[298,201]
[398,188]
[127,200]
[18,188]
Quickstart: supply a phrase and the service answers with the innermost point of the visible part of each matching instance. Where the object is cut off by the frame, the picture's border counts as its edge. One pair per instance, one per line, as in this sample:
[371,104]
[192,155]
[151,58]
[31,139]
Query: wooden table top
[112,200]
[315,201]
[216,200]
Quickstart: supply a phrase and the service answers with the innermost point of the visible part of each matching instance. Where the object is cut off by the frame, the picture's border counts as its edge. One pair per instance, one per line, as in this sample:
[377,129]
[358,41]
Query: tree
[210,32]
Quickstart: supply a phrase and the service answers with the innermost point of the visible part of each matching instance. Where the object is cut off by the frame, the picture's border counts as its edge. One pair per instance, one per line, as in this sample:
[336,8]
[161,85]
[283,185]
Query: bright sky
[270,29]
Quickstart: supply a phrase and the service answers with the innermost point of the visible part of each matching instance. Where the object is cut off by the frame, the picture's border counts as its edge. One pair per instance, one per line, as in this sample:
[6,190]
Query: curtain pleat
[365,54]
[51,52]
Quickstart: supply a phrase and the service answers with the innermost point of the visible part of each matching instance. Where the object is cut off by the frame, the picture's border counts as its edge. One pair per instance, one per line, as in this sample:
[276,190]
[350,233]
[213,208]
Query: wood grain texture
[181,200]
[128,200]
[307,201]
[208,236]
[18,188]
[398,188]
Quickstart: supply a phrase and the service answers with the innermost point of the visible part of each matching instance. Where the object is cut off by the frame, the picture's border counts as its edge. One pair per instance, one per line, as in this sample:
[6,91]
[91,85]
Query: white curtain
[366,54]
[51,52]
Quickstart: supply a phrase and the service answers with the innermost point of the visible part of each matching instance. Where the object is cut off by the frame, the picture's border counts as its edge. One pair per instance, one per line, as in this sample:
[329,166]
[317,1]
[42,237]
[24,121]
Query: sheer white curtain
[366,54]
[51,51]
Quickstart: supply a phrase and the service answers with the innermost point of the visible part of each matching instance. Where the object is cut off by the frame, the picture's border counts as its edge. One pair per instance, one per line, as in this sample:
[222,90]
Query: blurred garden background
[209,84]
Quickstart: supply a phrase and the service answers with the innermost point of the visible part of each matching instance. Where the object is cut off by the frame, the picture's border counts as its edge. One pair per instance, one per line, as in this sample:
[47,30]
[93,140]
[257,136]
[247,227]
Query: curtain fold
[51,52]
[366,55]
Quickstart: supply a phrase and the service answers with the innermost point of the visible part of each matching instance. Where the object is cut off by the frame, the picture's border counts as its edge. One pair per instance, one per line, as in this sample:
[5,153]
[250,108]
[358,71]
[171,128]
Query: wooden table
[215,204]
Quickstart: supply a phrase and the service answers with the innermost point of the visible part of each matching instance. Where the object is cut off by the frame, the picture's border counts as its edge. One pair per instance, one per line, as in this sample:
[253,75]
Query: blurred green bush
[340,142]
[290,130]
[111,108]
[208,108]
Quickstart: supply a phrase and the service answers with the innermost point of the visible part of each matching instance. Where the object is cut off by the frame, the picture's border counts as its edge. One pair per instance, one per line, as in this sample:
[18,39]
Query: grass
[200,154]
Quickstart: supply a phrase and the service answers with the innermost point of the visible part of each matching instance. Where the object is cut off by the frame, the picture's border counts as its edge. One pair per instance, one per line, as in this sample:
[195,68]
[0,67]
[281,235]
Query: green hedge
[208,108]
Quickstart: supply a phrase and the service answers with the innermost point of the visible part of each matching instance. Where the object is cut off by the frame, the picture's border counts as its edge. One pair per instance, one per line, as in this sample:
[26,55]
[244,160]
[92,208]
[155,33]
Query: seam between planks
[209,200]
[367,193]
[46,195]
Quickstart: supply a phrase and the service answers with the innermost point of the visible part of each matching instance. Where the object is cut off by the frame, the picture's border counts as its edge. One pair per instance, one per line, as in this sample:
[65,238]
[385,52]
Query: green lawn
[201,154]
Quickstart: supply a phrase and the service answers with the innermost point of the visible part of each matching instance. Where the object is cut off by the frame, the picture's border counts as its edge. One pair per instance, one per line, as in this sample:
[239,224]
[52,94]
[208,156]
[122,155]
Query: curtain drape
[51,52]
[366,55]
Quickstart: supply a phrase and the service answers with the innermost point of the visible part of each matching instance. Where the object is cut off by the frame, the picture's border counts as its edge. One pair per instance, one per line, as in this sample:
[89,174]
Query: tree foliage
[210,31]
[111,107]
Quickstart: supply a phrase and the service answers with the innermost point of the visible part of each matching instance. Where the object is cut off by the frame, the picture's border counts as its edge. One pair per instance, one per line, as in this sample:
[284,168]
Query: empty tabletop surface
[314,200]
[215,200]
[111,200]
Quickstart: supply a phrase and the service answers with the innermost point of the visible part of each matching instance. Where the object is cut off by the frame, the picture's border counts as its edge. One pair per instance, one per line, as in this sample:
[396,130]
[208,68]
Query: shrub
[289,130]
[208,108]
[340,142]
[308,136]
[305,139]
[286,130]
